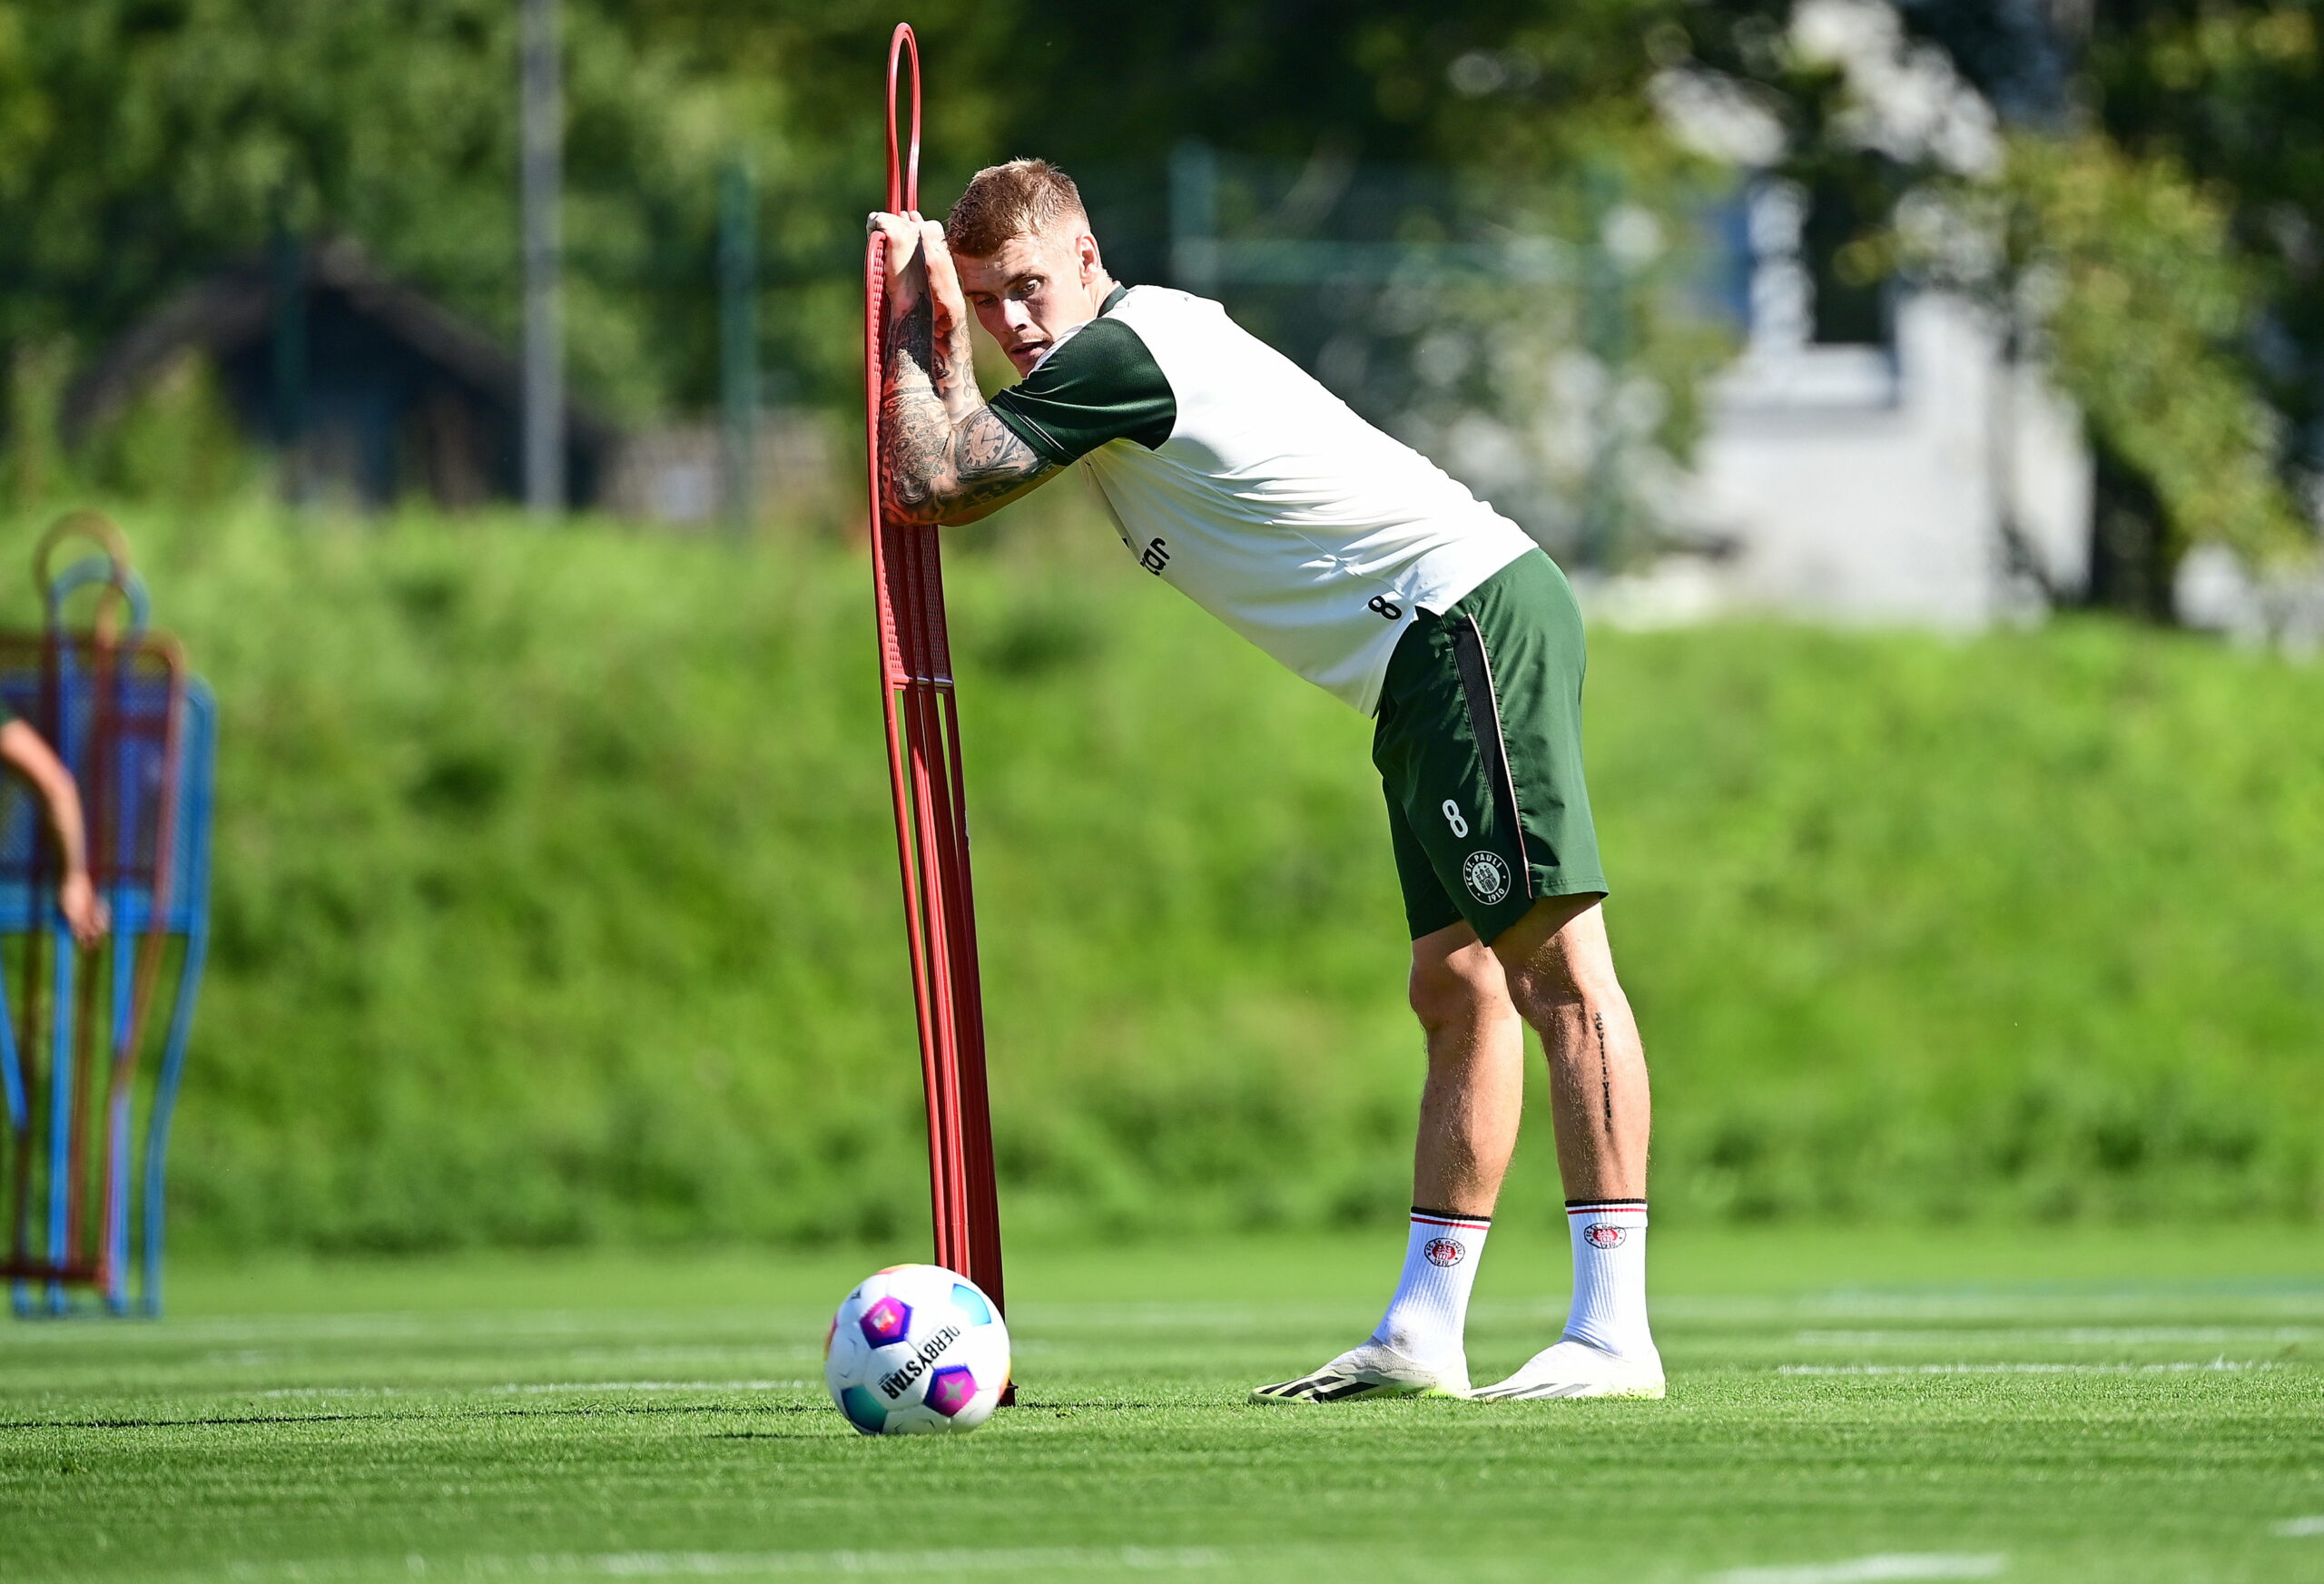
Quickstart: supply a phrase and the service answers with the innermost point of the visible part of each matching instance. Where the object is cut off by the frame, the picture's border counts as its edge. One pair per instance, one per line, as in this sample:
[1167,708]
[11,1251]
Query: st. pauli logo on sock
[1601,1235]
[1445,1240]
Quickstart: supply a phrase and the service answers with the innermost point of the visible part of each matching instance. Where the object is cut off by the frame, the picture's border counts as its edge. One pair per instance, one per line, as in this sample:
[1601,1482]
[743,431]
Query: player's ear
[1085,248]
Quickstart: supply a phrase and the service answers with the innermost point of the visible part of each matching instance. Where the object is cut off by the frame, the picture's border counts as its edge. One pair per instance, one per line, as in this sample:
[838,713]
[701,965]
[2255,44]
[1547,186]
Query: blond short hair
[1002,202]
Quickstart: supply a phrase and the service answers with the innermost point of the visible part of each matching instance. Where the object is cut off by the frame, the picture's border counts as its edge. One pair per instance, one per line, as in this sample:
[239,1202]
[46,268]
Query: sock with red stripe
[1609,1309]
[1426,1318]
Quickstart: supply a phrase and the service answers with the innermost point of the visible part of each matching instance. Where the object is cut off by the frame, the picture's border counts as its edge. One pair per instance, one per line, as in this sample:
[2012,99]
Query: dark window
[1851,311]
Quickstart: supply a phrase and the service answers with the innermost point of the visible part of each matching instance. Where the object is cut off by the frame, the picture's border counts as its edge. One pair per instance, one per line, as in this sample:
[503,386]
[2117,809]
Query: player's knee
[1457,991]
[1556,982]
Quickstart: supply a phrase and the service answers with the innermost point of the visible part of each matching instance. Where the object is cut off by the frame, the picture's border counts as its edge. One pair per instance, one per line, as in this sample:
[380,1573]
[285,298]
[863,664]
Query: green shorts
[1479,748]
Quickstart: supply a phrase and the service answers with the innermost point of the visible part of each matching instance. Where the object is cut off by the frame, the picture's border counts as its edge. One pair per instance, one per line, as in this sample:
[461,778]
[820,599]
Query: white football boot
[1373,1370]
[1575,1369]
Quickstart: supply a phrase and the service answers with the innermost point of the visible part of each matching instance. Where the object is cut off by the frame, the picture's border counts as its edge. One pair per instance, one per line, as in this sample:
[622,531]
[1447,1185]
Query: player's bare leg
[1560,972]
[1475,1088]
[1469,1112]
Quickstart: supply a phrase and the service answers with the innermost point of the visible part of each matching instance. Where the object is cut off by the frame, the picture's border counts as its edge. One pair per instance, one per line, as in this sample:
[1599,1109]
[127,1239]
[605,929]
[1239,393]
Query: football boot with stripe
[1373,1370]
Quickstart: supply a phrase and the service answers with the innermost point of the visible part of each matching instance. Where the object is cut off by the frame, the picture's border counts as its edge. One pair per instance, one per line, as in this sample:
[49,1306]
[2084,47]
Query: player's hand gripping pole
[924,769]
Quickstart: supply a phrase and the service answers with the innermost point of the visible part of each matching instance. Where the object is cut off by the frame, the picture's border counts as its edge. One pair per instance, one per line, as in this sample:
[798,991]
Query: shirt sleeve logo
[1486,874]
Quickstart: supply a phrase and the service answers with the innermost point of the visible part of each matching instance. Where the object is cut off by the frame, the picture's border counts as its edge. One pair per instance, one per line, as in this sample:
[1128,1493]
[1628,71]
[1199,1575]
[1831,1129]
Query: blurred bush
[558,903]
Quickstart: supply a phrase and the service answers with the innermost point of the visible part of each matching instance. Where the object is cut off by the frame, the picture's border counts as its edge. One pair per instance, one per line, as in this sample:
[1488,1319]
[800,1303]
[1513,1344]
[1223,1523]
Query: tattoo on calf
[1605,1075]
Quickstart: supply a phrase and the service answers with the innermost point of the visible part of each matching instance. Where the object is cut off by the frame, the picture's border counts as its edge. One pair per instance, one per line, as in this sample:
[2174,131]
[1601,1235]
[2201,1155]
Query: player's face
[1034,289]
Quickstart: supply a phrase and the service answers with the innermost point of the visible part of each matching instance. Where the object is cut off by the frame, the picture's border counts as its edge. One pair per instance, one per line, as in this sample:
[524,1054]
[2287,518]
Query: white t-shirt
[1235,477]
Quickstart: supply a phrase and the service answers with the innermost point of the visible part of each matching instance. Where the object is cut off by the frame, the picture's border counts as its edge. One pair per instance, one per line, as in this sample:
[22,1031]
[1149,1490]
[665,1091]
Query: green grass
[2069,1406]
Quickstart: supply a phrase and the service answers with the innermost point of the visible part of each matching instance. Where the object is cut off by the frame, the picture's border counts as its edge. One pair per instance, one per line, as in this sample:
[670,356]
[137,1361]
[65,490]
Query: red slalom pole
[917,701]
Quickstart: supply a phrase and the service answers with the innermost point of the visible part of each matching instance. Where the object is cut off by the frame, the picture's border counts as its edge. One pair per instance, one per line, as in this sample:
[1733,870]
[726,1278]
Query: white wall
[1855,485]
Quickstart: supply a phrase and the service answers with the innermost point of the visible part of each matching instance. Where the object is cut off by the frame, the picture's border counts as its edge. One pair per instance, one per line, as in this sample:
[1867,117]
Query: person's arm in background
[23,751]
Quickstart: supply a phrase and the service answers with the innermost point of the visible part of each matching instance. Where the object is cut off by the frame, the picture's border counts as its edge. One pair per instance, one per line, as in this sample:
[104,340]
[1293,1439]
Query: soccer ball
[916,1351]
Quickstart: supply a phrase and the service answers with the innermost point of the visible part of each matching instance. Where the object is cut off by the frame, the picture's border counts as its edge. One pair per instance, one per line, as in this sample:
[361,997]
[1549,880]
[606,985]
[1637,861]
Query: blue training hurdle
[140,735]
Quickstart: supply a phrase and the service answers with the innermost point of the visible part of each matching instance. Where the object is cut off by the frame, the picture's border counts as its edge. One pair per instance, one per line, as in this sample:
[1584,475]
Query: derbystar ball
[916,1351]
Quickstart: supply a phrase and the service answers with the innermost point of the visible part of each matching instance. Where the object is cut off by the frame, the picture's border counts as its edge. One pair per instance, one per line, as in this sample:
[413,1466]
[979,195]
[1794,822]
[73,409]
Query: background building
[368,389]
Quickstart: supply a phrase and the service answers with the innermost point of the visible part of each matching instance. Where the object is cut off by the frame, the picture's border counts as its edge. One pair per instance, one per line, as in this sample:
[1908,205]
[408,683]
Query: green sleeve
[1101,384]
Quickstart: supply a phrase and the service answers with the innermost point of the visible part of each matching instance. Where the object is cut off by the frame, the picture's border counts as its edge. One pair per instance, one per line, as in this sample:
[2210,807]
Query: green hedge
[556,901]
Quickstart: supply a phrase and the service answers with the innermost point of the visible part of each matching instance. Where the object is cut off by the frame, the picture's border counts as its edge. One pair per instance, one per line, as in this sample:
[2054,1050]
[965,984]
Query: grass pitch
[1844,1406]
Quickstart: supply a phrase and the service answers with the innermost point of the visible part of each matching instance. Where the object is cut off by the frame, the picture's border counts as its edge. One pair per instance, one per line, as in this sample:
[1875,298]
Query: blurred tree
[2148,226]
[2166,147]
[2229,95]
[800,86]
[2144,308]
[2227,92]
[144,142]
[1565,388]
[2170,213]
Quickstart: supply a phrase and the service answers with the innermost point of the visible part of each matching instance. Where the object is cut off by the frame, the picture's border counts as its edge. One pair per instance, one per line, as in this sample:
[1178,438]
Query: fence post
[738,341]
[541,98]
[1194,217]
[287,263]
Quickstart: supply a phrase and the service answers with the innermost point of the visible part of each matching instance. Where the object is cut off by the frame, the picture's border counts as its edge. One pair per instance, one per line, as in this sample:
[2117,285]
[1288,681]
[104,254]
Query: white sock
[1608,1308]
[1426,1318]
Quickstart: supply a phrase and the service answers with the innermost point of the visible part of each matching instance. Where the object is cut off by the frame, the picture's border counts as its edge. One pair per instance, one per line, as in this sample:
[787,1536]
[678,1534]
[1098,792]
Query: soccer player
[24,751]
[1233,476]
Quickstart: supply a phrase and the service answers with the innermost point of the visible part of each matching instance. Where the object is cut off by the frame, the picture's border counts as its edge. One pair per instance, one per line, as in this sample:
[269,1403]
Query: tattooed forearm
[951,367]
[986,451]
[991,464]
[931,469]
[913,427]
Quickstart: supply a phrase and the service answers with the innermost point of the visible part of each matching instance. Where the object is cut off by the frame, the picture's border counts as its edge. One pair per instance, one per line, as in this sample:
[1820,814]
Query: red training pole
[921,713]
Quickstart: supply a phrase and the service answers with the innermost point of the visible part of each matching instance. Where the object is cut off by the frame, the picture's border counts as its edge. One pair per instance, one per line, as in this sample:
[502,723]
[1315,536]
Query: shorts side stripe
[1484,708]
